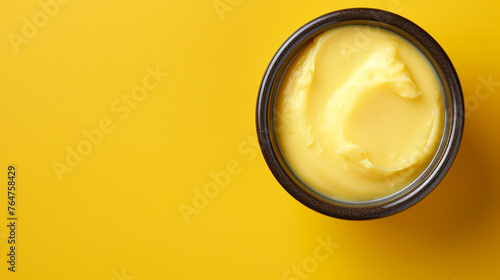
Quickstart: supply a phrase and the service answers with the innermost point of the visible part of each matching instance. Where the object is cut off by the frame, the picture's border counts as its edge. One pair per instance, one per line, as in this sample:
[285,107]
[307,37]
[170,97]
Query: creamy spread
[359,113]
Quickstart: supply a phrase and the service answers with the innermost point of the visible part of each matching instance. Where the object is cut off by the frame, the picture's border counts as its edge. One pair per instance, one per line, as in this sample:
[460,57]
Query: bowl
[453,115]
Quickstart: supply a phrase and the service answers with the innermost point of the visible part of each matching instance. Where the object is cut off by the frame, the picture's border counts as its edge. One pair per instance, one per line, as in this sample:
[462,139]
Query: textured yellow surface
[118,213]
[359,125]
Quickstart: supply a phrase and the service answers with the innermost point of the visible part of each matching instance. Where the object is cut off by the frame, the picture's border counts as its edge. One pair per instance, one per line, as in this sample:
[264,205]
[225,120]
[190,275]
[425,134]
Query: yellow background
[116,216]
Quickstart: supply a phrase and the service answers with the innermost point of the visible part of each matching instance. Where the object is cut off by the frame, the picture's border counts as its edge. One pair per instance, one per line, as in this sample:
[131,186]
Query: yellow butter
[359,113]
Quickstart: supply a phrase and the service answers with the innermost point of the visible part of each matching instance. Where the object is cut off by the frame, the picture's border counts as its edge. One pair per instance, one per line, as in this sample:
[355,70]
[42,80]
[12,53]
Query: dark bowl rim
[454,114]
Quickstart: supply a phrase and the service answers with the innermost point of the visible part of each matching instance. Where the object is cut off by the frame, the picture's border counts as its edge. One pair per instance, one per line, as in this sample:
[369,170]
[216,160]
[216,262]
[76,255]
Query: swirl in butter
[359,113]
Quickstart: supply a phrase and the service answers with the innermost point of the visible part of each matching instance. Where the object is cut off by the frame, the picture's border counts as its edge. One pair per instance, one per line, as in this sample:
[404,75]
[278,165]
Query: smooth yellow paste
[359,113]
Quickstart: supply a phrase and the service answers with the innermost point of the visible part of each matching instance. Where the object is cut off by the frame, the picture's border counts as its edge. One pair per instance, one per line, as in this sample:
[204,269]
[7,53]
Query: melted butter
[359,114]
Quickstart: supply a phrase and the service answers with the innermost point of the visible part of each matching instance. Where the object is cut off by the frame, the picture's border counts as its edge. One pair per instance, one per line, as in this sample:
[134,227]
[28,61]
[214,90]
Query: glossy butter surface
[359,113]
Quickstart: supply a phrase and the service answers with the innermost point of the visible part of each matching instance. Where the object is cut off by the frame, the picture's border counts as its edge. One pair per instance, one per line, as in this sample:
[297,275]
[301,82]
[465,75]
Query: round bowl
[453,115]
